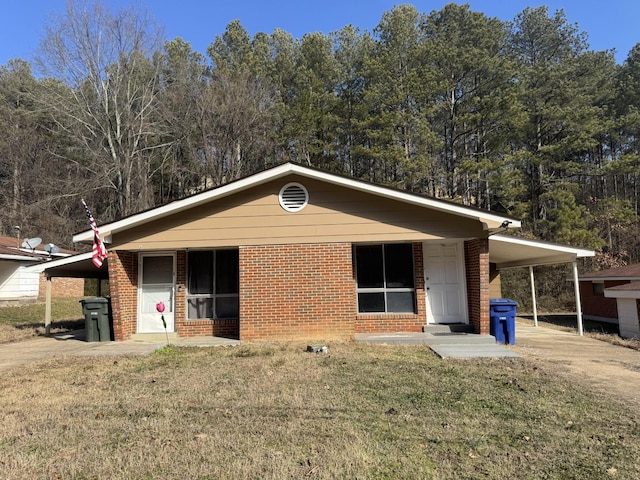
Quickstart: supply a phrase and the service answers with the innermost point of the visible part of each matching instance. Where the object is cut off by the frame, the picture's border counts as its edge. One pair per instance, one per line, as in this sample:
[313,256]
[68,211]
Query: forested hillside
[520,117]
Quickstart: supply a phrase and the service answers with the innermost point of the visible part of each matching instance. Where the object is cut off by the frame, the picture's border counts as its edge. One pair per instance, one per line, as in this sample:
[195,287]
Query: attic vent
[293,197]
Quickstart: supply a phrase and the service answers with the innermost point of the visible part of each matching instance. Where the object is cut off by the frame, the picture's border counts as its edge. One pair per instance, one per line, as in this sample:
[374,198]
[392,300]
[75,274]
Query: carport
[506,251]
[76,266]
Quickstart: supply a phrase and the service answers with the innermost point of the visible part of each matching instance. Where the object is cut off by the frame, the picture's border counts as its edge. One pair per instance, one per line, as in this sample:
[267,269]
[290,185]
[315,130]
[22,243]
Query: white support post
[533,297]
[576,286]
[47,307]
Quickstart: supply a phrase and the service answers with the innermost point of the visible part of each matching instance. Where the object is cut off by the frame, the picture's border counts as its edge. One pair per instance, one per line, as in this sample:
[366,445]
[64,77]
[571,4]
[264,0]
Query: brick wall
[61,287]
[123,279]
[476,253]
[224,327]
[296,292]
[596,304]
[389,323]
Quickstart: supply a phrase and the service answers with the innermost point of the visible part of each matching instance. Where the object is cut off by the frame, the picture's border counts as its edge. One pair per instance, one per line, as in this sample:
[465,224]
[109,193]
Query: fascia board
[20,258]
[607,279]
[64,261]
[621,293]
[553,247]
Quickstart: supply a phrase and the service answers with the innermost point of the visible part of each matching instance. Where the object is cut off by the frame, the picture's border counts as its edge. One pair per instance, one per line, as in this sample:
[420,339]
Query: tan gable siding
[334,214]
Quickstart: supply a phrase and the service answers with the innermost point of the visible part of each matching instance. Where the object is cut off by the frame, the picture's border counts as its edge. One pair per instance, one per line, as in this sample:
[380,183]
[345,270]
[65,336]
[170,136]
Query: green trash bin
[97,321]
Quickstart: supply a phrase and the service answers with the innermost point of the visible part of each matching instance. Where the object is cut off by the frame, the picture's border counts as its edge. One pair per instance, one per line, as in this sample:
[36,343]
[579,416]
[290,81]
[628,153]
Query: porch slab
[445,345]
[473,351]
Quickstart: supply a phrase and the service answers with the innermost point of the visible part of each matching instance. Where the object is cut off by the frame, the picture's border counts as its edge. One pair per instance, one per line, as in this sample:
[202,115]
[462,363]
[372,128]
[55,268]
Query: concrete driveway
[610,370]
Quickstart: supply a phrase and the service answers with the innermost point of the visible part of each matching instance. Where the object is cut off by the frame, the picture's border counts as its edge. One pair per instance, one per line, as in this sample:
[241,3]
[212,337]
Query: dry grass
[613,339]
[25,322]
[275,411]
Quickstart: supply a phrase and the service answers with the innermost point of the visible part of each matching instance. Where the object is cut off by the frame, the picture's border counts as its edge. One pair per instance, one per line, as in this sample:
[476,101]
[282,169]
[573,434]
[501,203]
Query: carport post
[533,297]
[47,307]
[576,287]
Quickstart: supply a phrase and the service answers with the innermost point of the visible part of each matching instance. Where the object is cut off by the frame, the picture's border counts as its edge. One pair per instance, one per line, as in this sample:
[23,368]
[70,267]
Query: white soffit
[510,251]
[491,221]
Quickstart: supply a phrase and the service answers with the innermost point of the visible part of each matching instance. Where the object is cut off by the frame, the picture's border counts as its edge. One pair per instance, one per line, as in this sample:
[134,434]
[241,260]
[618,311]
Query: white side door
[157,284]
[445,284]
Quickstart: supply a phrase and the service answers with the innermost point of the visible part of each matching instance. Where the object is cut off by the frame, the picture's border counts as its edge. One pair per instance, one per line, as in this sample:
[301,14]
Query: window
[385,279]
[598,288]
[213,284]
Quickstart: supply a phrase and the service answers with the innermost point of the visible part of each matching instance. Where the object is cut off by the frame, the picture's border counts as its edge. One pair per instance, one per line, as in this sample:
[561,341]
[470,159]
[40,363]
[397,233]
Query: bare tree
[103,97]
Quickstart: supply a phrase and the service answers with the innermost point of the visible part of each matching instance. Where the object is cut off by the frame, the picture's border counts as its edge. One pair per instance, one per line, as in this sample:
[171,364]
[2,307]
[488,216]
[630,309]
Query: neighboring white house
[19,284]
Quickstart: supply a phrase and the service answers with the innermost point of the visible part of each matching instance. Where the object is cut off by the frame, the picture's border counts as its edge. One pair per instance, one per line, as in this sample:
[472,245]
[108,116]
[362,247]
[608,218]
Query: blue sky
[611,24]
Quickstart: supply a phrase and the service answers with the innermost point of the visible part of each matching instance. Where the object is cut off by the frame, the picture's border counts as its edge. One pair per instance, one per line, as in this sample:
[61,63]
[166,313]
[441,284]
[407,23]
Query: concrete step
[458,338]
[154,337]
[448,328]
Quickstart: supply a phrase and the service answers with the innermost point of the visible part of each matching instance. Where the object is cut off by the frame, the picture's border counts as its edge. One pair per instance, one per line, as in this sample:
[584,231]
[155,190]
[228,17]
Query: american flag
[99,250]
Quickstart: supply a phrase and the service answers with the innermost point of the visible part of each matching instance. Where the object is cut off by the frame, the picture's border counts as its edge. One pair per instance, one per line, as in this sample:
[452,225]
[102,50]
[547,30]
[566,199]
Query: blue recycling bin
[502,315]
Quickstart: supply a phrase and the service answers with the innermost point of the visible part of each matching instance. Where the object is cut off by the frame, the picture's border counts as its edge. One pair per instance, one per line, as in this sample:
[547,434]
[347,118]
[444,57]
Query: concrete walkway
[445,345]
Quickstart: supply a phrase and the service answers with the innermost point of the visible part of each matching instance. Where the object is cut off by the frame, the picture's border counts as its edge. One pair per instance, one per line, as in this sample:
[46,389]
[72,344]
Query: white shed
[627,297]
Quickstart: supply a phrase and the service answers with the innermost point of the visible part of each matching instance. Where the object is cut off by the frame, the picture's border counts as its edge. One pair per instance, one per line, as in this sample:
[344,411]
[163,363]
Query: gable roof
[491,221]
[628,272]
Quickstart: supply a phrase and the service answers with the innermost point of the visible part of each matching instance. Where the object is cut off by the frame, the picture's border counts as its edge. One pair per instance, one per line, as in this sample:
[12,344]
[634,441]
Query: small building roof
[627,272]
[11,249]
[628,290]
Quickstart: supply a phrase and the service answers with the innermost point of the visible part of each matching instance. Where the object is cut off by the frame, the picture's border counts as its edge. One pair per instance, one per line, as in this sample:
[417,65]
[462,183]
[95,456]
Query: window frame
[385,290]
[213,295]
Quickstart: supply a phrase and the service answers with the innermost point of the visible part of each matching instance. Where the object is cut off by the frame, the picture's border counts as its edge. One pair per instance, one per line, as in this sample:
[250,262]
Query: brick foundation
[476,254]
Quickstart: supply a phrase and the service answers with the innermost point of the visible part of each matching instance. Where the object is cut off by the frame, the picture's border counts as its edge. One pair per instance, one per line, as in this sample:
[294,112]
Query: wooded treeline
[520,117]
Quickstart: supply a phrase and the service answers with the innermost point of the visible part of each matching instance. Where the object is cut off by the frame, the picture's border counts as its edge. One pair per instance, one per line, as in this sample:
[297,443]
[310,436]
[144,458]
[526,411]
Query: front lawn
[274,411]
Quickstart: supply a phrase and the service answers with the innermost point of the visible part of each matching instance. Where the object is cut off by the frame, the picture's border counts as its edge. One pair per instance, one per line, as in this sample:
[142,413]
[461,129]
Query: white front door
[157,281]
[445,283]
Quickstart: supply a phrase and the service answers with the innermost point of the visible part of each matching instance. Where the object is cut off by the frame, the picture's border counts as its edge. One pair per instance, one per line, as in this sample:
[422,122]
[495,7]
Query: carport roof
[76,266]
[511,251]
